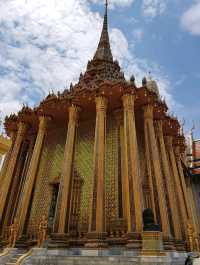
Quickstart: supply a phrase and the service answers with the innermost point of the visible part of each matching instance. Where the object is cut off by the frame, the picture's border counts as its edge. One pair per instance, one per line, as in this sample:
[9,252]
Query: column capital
[22,127]
[119,115]
[101,103]
[148,111]
[13,135]
[73,111]
[128,101]
[43,121]
[159,127]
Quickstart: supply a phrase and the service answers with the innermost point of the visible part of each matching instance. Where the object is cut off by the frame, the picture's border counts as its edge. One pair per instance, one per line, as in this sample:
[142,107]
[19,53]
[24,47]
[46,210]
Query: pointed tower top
[103,51]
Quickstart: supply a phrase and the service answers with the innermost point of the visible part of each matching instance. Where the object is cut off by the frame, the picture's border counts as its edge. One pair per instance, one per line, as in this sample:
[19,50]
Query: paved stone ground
[92,257]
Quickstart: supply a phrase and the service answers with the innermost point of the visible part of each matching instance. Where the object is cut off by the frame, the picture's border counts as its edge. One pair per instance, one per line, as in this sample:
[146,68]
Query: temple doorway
[52,209]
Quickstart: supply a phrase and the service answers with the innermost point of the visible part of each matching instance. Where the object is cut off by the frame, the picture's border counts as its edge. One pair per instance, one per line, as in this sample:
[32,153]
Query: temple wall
[83,164]
[48,172]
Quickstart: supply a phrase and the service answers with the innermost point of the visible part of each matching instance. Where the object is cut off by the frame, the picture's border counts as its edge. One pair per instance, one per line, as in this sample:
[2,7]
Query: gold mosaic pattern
[83,164]
[111,169]
[49,169]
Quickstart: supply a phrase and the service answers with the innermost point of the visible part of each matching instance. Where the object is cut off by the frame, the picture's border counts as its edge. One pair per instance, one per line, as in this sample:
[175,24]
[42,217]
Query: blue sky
[44,45]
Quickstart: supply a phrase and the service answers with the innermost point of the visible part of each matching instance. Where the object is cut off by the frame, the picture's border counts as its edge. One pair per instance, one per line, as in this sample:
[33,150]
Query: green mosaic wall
[83,163]
[49,169]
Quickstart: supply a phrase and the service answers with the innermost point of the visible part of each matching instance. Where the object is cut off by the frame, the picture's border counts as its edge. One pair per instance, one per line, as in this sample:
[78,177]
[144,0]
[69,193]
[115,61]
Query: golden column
[182,180]
[132,162]
[151,142]
[14,187]
[181,202]
[22,127]
[66,174]
[151,178]
[31,174]
[97,215]
[126,207]
[190,215]
[169,181]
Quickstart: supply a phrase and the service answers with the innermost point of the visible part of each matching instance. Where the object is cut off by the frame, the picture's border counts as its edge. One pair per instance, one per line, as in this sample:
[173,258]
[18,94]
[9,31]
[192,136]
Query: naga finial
[193,126]
[150,76]
[182,126]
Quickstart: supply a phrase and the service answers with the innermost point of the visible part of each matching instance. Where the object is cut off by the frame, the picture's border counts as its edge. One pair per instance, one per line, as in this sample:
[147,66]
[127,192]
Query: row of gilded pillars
[131,176]
[9,171]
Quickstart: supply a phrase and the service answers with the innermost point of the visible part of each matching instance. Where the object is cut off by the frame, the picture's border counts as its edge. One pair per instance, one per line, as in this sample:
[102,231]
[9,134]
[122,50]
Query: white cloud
[153,8]
[113,3]
[45,45]
[191,19]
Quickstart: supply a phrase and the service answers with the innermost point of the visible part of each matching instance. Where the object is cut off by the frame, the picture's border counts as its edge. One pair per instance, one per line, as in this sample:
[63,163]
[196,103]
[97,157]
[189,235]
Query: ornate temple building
[86,163]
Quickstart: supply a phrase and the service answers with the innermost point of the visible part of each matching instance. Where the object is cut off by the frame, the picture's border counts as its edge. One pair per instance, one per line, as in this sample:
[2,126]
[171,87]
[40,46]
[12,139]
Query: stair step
[16,257]
[13,259]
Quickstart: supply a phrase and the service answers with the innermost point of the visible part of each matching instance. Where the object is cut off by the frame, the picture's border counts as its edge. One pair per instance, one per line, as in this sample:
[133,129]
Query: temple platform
[111,256]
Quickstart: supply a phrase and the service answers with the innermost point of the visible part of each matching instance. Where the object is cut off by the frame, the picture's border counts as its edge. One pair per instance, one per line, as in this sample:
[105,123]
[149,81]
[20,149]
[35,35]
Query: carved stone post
[31,174]
[97,215]
[169,140]
[132,163]
[169,182]
[11,166]
[156,168]
[62,214]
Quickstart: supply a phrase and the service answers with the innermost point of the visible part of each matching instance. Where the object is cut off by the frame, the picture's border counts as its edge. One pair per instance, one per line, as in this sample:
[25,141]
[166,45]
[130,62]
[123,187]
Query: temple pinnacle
[103,51]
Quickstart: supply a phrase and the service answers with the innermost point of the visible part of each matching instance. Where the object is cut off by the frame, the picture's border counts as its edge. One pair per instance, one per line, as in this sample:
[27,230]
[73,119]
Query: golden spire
[103,51]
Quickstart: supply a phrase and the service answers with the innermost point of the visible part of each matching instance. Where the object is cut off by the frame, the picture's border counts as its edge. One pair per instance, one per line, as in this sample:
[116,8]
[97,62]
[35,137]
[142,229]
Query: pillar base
[133,240]
[22,242]
[58,241]
[169,244]
[180,245]
[96,240]
[117,241]
[152,244]
[3,242]
[155,253]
